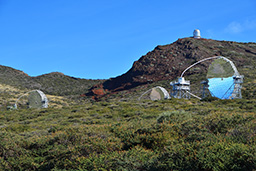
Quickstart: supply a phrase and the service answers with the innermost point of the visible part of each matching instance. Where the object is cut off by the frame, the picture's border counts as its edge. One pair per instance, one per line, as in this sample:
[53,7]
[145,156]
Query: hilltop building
[196,34]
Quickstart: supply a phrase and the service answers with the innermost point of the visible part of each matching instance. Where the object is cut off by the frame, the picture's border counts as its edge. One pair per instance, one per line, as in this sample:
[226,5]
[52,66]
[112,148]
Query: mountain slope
[167,63]
[60,84]
[53,83]
[17,78]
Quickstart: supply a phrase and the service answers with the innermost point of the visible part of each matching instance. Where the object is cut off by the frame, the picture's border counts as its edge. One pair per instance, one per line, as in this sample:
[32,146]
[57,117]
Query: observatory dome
[196,34]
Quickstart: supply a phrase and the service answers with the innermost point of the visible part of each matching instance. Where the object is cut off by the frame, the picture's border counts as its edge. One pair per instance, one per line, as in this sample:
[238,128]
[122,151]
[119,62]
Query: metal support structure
[238,80]
[194,95]
[180,89]
[204,88]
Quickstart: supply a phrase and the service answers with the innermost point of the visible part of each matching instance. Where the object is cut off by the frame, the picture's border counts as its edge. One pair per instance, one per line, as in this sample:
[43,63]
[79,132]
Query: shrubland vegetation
[133,135]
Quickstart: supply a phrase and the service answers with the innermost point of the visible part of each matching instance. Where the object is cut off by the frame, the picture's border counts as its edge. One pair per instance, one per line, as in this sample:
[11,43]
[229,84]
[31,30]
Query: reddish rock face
[98,91]
[167,62]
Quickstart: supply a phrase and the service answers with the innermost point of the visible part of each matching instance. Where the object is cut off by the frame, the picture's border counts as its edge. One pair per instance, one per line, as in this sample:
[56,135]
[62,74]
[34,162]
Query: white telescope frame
[214,57]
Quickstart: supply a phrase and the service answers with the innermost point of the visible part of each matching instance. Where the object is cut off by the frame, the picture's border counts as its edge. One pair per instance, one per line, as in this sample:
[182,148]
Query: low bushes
[164,135]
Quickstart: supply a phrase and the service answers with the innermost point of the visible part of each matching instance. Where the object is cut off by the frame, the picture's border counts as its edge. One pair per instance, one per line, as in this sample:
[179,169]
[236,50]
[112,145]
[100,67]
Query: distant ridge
[55,83]
[14,77]
[168,61]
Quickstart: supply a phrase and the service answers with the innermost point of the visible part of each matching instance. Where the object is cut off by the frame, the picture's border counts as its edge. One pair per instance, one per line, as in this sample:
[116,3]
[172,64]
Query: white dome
[159,93]
[196,34]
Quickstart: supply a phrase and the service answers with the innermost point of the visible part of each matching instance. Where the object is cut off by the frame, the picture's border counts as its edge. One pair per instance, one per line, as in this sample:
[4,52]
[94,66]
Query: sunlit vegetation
[133,135]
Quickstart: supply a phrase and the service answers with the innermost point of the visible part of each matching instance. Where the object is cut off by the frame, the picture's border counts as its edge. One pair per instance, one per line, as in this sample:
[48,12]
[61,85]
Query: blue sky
[101,39]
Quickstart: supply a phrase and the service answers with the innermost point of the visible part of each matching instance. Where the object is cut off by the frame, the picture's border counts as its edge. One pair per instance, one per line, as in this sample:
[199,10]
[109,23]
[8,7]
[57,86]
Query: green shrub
[137,158]
[224,156]
[173,116]
[210,99]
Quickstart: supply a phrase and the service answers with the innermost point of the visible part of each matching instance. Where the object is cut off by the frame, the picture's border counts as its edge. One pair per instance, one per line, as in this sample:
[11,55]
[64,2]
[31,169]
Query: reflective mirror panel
[221,87]
[220,76]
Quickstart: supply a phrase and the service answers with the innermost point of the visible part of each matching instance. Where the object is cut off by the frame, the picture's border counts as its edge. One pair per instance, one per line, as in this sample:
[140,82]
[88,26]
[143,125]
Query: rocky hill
[167,63]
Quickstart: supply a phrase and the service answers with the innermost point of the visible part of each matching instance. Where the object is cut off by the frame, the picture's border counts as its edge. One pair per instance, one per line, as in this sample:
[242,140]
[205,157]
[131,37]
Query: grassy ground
[132,135]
